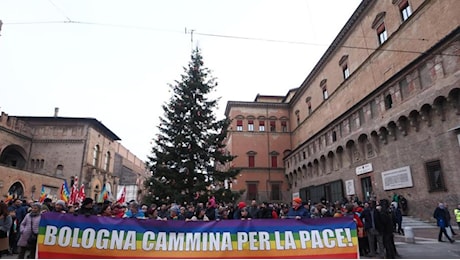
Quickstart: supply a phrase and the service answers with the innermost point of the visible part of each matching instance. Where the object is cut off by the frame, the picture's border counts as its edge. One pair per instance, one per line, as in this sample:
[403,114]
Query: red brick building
[377,115]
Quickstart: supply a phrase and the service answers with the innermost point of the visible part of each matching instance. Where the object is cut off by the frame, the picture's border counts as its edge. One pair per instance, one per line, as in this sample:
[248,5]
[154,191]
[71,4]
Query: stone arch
[310,169]
[392,129]
[362,143]
[96,187]
[425,113]
[323,165]
[383,134]
[454,99]
[331,161]
[16,190]
[339,152]
[304,171]
[439,105]
[414,119]
[352,151]
[316,167]
[403,125]
[14,156]
[375,141]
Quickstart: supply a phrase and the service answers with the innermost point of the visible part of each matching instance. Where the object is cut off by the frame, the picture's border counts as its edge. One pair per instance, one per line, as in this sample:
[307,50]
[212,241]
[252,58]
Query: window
[373,108]
[274,161]
[435,178]
[96,155]
[239,125]
[345,71]
[276,191]
[261,126]
[60,170]
[251,161]
[309,107]
[382,33]
[323,86]
[250,125]
[107,161]
[344,64]
[325,94]
[388,102]
[272,126]
[252,191]
[297,114]
[334,136]
[284,126]
[379,26]
[405,9]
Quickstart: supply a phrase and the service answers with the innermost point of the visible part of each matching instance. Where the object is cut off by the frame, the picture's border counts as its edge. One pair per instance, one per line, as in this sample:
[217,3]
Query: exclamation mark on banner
[348,234]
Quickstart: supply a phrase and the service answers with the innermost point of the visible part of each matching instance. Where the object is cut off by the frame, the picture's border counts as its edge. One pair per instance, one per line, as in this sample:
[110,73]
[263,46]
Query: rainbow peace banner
[77,236]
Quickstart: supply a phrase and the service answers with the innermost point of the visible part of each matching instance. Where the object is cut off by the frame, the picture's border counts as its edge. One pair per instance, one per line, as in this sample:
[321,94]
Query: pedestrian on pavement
[441,220]
[457,215]
[446,208]
[374,230]
[397,219]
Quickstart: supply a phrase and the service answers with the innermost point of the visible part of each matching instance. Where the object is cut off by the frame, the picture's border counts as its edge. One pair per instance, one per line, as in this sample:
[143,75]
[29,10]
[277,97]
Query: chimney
[56,111]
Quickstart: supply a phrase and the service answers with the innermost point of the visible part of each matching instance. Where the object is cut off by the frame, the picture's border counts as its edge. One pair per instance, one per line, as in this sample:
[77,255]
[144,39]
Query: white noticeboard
[397,178]
[350,187]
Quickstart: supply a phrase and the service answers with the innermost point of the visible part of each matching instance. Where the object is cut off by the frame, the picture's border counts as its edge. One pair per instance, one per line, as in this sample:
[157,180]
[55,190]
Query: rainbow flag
[8,198]
[104,195]
[43,195]
[65,194]
[65,236]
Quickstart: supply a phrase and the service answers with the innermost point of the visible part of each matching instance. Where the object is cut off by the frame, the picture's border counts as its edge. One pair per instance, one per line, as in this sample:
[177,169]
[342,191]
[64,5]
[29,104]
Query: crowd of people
[376,220]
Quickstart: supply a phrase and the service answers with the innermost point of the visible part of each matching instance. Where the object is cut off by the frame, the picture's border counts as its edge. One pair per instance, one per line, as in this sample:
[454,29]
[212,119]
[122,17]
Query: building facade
[46,151]
[379,113]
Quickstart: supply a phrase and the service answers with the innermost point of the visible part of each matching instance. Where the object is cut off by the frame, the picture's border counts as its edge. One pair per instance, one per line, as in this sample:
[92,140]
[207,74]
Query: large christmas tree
[189,161]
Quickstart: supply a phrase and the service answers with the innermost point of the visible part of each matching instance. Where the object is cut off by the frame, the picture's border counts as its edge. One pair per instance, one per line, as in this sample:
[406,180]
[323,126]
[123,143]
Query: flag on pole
[104,195]
[121,197]
[65,194]
[74,192]
[8,198]
[81,194]
[43,195]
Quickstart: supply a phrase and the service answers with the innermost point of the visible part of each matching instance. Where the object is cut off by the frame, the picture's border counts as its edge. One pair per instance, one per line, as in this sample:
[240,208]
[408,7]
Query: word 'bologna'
[69,236]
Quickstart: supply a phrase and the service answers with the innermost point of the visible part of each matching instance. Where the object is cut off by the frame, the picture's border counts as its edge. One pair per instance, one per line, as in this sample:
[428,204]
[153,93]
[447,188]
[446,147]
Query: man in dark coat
[87,207]
[441,219]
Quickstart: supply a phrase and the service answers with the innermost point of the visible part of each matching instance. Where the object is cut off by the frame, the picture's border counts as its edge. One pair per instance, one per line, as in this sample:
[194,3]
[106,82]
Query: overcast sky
[113,60]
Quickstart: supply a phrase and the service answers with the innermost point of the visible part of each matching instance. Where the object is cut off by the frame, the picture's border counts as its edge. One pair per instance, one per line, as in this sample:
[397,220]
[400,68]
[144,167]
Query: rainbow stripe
[65,194]
[68,236]
[43,195]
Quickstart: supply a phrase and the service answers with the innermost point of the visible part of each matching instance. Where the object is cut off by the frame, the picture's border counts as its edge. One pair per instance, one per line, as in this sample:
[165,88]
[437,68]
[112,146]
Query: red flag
[74,192]
[81,194]
[122,196]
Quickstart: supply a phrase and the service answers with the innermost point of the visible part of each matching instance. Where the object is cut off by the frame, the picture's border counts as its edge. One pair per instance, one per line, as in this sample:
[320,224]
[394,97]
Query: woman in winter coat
[29,224]
[5,226]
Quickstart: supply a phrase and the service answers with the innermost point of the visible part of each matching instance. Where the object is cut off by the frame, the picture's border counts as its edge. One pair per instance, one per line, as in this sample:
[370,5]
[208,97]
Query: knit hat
[297,200]
[241,205]
[60,202]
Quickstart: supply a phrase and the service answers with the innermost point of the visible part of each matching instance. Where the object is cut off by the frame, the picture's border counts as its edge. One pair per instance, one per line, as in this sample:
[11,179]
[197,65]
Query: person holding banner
[297,211]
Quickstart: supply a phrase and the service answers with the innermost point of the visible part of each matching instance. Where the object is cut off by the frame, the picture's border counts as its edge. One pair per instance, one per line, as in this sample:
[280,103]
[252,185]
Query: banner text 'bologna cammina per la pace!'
[77,236]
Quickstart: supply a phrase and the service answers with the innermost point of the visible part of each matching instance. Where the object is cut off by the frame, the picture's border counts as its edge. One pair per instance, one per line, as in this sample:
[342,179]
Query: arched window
[107,161]
[96,152]
[60,170]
